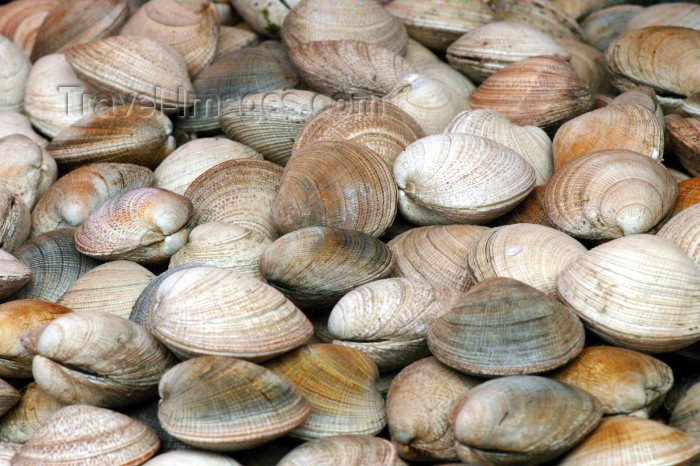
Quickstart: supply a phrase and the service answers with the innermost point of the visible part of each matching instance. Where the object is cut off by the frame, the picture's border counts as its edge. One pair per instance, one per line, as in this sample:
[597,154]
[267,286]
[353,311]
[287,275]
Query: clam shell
[640,292]
[339,383]
[113,287]
[179,169]
[142,225]
[548,90]
[148,414]
[531,210]
[241,192]
[645,97]
[603,26]
[16,123]
[691,105]
[15,220]
[25,168]
[191,28]
[13,274]
[436,254]
[523,419]
[531,142]
[542,333]
[684,414]
[89,435]
[224,404]
[349,450]
[684,134]
[688,194]
[8,451]
[416,52]
[191,458]
[630,441]
[450,178]
[234,38]
[31,412]
[580,10]
[684,230]
[336,184]
[13,76]
[20,21]
[678,14]
[625,382]
[9,396]
[545,16]
[418,408]
[589,64]
[318,20]
[266,16]
[532,254]
[443,72]
[316,266]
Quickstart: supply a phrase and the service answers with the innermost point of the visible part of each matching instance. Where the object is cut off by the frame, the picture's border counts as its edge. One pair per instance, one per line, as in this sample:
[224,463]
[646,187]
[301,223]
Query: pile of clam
[314,232]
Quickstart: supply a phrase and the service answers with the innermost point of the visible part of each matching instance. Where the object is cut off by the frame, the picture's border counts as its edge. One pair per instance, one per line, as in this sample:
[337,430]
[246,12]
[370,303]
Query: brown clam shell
[24,419]
[685,140]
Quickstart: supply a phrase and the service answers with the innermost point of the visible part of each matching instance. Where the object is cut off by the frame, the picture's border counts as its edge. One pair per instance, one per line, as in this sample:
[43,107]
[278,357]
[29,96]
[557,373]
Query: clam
[678,14]
[241,192]
[685,140]
[609,194]
[444,73]
[639,292]
[245,318]
[336,184]
[377,125]
[25,168]
[220,403]
[580,10]
[156,78]
[548,90]
[531,142]
[349,67]
[532,254]
[691,105]
[17,123]
[543,15]
[349,450]
[148,414]
[451,178]
[417,52]
[542,333]
[121,134]
[316,266]
[688,194]
[318,20]
[625,381]
[9,396]
[191,28]
[234,38]
[191,458]
[31,412]
[266,16]
[628,127]
[491,47]
[603,26]
[20,22]
[418,407]
[633,441]
[143,225]
[589,64]
[531,210]
[389,319]
[684,230]
[55,264]
[17,318]
[13,76]
[522,419]
[644,96]
[113,287]
[684,415]
[179,169]
[269,122]
[339,384]
[436,254]
[86,434]
[70,200]
[13,274]
[15,220]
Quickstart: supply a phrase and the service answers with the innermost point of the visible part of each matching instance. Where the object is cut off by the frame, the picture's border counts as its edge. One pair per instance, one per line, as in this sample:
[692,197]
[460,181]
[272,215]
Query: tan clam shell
[542,333]
[13,274]
[532,254]
[13,76]
[20,21]
[653,307]
[589,64]
[9,396]
[25,168]
[631,195]
[548,91]
[316,266]
[603,26]
[629,127]
[179,169]
[631,441]
[349,185]
[113,287]
[684,134]
[377,125]
[224,404]
[319,20]
[691,105]
[89,435]
[523,419]
[443,72]
[436,254]
[688,194]
[531,142]
[55,264]
[17,123]
[645,97]
[625,381]
[8,451]
[450,178]
[266,16]
[191,28]
[580,10]
[389,319]
[350,450]
[241,192]
[191,458]
[678,14]
[531,210]
[491,47]
[418,407]
[151,65]
[74,196]
[234,38]
[270,122]
[545,16]
[684,413]
[417,52]
[684,230]
[17,318]
[15,220]
[31,412]
[339,383]
[264,324]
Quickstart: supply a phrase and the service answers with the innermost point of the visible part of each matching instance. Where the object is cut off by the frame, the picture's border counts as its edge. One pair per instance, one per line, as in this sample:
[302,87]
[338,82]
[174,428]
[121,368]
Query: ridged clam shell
[603,26]
[630,195]
[148,414]
[191,458]
[339,383]
[542,15]
[684,413]
[15,220]
[443,72]
[684,230]
[691,105]
[349,450]
[17,123]
[580,10]
[451,178]
[13,274]
[531,210]
[9,396]
[266,16]
[589,64]
[416,52]
[542,333]
[13,76]
[31,412]
[688,194]
[316,266]
[614,286]
[234,38]
[220,403]
[682,14]
[25,168]
[684,134]
[20,21]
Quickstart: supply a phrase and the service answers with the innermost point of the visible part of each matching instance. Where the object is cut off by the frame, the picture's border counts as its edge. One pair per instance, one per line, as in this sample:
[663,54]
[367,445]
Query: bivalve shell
[13,274]
[17,123]
[191,457]
[235,38]
[543,15]
[684,230]
[443,72]
[26,170]
[13,76]
[603,26]
[266,16]
[589,64]
[685,140]
[684,413]
[20,22]
[9,396]
[682,14]
[24,419]
[531,210]
[15,220]
[349,450]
